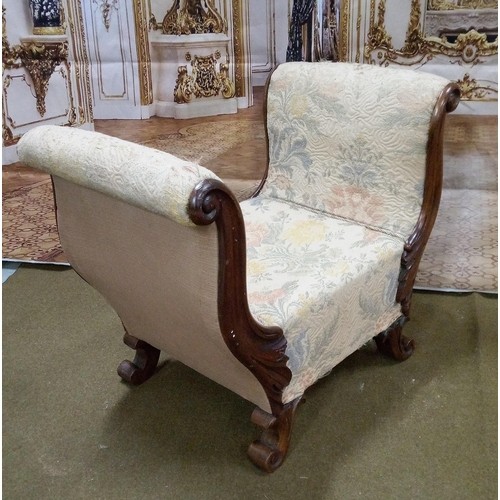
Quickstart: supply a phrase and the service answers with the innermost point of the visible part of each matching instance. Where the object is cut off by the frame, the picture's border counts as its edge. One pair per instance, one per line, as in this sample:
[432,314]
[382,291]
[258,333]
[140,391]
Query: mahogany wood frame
[392,341]
[262,349]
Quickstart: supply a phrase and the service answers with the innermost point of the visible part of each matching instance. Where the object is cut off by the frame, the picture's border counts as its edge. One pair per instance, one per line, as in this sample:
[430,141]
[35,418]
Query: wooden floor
[470,140]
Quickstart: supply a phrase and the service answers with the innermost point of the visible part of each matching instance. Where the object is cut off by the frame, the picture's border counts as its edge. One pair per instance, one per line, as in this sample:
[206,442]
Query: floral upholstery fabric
[350,140]
[328,283]
[144,177]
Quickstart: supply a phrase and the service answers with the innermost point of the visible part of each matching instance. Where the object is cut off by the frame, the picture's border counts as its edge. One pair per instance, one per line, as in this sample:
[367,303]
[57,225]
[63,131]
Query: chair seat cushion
[329,283]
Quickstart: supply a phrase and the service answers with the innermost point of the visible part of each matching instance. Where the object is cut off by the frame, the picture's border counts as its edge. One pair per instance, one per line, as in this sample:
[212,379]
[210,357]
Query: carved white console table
[193,75]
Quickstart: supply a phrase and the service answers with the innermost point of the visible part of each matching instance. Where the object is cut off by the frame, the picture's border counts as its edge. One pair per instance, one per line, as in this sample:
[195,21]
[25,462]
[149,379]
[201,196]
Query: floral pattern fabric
[330,284]
[350,140]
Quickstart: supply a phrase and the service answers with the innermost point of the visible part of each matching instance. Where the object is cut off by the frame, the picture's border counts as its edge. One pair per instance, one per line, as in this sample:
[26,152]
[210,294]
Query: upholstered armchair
[268,295]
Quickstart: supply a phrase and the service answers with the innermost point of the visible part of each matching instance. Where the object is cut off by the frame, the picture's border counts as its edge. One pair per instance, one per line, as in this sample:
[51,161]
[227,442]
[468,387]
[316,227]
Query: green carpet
[373,429]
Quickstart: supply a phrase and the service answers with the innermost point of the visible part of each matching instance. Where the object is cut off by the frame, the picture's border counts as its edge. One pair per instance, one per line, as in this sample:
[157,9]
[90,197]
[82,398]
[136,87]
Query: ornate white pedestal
[192,76]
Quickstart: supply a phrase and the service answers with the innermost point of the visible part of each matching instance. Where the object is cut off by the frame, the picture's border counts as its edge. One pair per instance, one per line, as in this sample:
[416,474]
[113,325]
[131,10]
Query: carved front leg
[146,359]
[270,450]
[393,343]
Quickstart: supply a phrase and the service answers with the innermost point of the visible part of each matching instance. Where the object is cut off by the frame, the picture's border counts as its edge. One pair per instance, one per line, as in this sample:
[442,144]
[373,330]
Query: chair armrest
[144,177]
[260,348]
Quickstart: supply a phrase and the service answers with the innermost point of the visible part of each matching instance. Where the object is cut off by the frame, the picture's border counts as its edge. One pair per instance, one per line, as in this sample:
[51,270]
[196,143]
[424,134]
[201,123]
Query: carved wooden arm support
[415,245]
[261,349]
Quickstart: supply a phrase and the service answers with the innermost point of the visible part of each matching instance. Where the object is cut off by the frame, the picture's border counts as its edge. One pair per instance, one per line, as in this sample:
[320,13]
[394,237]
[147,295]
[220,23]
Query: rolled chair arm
[144,177]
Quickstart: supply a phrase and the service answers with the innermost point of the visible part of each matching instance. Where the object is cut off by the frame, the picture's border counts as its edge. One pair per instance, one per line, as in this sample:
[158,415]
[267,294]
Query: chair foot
[270,450]
[393,343]
[146,359]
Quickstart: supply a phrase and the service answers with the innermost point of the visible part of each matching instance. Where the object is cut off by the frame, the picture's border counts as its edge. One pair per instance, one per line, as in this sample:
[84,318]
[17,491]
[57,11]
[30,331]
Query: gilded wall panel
[456,39]
[143,51]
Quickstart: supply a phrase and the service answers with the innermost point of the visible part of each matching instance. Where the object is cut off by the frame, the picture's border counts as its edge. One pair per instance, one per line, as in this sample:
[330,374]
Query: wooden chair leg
[393,343]
[146,359]
[270,450]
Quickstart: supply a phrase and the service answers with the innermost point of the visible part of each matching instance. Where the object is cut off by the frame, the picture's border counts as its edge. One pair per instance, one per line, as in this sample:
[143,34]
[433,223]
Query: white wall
[113,56]
[269,22]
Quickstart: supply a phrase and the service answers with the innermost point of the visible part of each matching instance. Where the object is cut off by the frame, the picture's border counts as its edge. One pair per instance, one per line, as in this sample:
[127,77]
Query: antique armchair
[267,295]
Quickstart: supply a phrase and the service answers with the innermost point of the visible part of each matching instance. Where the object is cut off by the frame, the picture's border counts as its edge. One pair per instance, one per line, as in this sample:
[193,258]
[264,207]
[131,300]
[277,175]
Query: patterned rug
[461,254]
[29,232]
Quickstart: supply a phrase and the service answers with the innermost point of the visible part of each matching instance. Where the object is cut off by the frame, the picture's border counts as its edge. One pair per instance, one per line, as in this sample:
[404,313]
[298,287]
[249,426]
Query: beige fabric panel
[159,276]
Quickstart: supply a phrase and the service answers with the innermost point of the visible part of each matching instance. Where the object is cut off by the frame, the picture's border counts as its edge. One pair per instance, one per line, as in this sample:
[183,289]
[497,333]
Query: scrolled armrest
[144,177]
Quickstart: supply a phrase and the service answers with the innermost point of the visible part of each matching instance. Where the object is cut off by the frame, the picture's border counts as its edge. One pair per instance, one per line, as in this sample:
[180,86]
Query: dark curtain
[301,13]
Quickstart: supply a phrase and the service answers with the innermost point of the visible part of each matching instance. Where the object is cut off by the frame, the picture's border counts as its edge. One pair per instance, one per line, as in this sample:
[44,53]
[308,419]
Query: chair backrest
[351,140]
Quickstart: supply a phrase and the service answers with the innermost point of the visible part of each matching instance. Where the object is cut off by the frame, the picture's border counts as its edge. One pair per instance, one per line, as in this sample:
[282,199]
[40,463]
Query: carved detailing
[107,7]
[378,36]
[193,18]
[204,75]
[392,343]
[183,91]
[260,349]
[204,81]
[11,59]
[471,90]
[419,49]
[344,30]
[270,450]
[40,61]
[239,53]
[471,45]
[461,4]
[14,57]
[414,31]
[144,365]
[415,244]
[228,89]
